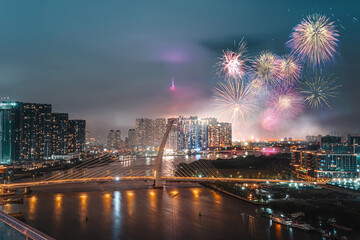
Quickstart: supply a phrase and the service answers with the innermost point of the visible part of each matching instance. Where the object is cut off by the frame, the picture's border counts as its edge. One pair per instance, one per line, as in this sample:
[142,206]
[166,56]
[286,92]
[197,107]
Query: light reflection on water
[58,198]
[116,214]
[151,214]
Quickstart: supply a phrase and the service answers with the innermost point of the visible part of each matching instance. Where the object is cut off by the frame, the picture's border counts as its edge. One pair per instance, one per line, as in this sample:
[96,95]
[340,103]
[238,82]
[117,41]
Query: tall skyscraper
[189,133]
[118,141]
[59,135]
[132,139]
[220,135]
[36,131]
[10,130]
[159,130]
[111,139]
[114,139]
[145,132]
[31,132]
[193,132]
[76,132]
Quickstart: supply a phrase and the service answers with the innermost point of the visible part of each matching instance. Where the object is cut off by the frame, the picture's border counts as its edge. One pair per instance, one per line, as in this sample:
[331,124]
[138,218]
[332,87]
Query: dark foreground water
[114,212]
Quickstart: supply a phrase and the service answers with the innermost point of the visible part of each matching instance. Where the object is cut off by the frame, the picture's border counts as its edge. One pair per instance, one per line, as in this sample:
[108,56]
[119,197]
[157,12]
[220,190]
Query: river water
[132,211]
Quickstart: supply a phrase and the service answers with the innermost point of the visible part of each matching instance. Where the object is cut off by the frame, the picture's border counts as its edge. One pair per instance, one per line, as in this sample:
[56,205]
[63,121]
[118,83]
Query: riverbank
[236,196]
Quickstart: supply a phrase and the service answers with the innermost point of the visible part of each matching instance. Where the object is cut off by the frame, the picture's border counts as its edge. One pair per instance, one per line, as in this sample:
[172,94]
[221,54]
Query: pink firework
[287,101]
[288,69]
[314,40]
[270,120]
[233,63]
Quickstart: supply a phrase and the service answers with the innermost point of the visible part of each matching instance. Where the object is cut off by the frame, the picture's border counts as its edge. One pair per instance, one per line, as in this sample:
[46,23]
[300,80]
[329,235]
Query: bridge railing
[23,228]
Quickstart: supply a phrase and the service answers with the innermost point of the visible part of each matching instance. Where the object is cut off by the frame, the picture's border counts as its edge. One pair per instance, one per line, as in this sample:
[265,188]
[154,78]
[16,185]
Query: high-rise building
[220,135]
[30,132]
[118,141]
[205,123]
[173,138]
[159,130]
[131,139]
[10,132]
[36,131]
[193,132]
[111,139]
[114,139]
[145,132]
[76,133]
[189,133]
[59,133]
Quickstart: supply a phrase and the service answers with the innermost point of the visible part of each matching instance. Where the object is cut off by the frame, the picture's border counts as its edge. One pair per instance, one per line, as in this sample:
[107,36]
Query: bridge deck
[147,178]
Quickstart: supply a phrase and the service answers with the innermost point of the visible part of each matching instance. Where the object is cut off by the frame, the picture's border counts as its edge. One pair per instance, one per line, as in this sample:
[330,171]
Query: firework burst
[287,101]
[288,69]
[233,63]
[257,87]
[264,68]
[234,100]
[314,40]
[318,90]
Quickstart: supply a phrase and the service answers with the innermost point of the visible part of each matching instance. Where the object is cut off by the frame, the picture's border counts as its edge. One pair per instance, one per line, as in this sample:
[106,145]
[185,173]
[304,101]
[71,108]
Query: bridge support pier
[158,184]
[27,190]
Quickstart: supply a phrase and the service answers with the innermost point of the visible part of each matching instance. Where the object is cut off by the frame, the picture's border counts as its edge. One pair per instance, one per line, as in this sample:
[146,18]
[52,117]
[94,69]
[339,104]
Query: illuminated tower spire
[172,88]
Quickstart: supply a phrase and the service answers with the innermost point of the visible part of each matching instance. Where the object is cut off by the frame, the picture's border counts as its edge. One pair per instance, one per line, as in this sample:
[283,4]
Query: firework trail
[318,90]
[287,101]
[288,69]
[233,63]
[264,68]
[314,40]
[235,100]
[270,120]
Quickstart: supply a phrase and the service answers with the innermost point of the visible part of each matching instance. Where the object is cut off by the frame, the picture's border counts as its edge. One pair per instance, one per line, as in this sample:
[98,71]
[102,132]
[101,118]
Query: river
[133,211]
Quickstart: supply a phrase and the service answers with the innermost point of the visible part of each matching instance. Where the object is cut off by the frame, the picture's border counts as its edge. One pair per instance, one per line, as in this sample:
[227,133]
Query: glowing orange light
[174,192]
[33,199]
[83,196]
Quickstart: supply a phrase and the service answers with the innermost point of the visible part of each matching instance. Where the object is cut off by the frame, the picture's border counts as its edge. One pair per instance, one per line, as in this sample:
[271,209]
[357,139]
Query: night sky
[110,62]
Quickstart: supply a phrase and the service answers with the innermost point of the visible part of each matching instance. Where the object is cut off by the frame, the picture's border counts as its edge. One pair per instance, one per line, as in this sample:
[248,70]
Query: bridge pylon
[158,166]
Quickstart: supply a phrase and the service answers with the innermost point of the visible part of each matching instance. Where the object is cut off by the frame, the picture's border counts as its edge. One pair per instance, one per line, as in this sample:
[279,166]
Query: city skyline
[206,119]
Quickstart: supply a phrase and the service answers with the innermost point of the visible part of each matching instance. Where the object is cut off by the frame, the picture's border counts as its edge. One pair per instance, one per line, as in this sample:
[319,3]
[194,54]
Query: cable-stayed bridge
[161,169]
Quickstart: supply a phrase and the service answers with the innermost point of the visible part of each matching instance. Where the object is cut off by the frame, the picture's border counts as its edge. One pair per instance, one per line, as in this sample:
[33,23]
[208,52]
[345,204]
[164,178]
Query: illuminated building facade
[325,164]
[131,139]
[36,131]
[118,140]
[145,133]
[219,135]
[76,133]
[159,130]
[31,132]
[114,139]
[191,133]
[187,133]
[59,135]
[10,130]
